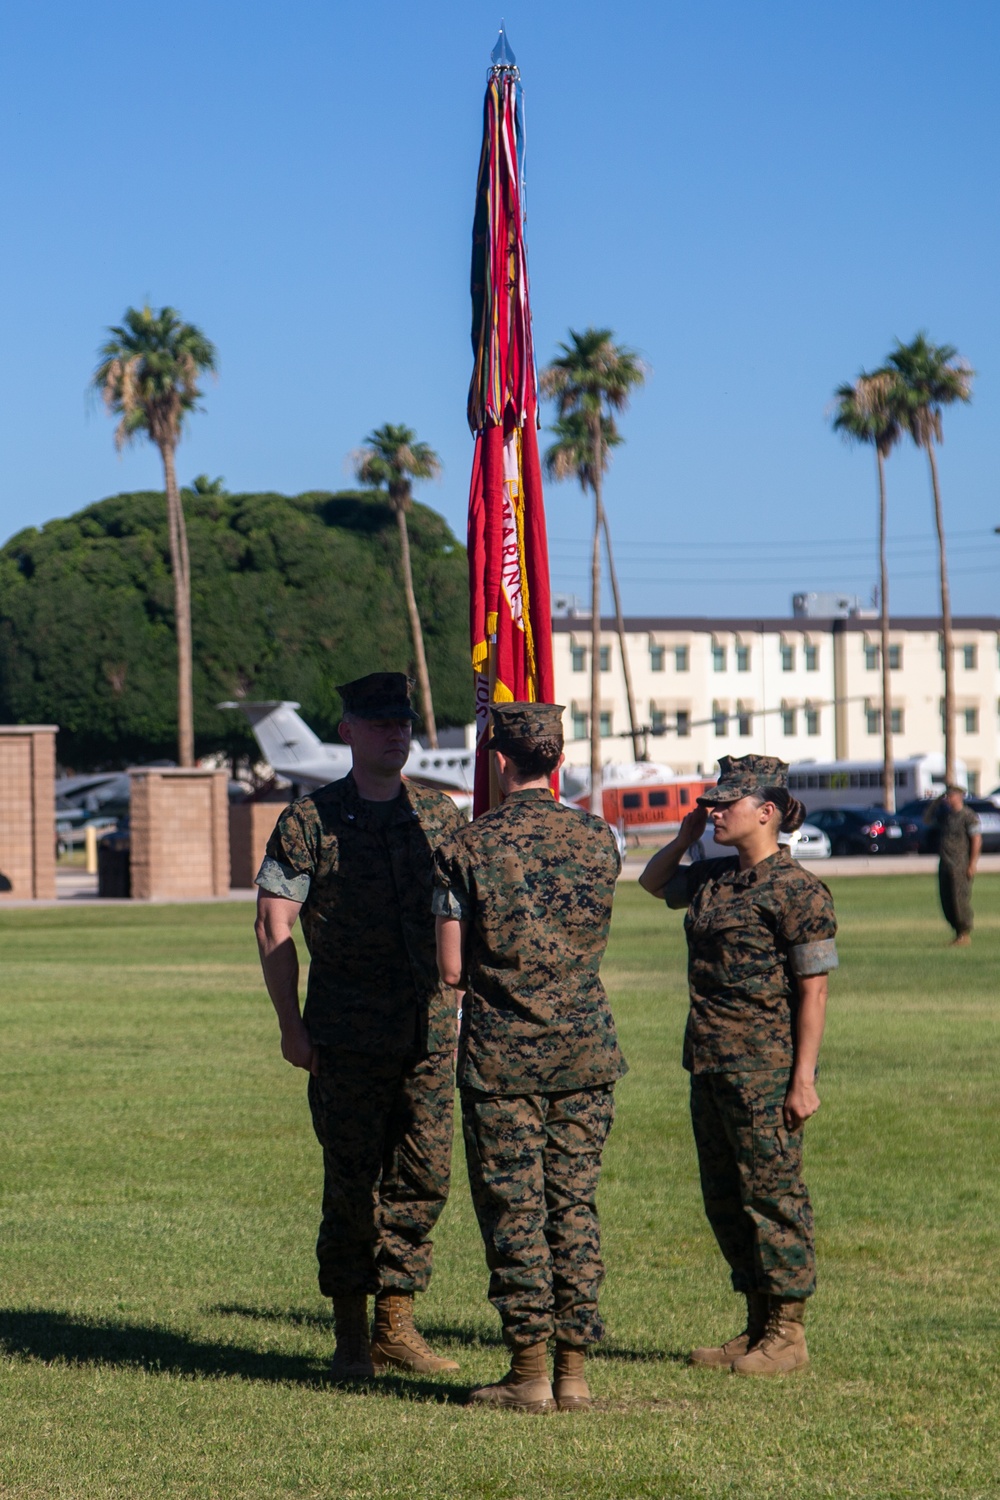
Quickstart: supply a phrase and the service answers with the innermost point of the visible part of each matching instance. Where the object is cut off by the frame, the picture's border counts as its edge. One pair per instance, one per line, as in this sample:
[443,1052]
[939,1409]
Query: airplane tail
[283,737]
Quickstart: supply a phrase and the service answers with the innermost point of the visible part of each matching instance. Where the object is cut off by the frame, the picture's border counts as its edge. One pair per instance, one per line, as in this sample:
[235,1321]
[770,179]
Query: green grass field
[160,1329]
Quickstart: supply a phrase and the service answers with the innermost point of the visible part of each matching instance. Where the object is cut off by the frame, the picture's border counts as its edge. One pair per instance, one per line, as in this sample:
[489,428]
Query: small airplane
[298,755]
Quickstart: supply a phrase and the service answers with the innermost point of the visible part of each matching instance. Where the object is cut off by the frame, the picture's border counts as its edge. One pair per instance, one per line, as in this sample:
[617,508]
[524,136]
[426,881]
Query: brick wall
[179,833]
[27,811]
[250,825]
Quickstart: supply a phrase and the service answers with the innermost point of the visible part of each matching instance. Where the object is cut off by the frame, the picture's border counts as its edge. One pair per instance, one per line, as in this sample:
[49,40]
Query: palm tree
[148,378]
[392,458]
[930,377]
[590,380]
[571,456]
[868,412]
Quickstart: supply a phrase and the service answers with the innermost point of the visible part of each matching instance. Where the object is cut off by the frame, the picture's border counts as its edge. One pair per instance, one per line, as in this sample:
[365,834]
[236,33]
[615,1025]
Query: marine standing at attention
[523,901]
[961,840]
[760,933]
[378,1031]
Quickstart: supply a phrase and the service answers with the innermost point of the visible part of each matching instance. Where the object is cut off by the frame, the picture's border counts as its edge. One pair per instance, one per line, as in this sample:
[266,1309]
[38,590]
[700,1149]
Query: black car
[985,809]
[867,830]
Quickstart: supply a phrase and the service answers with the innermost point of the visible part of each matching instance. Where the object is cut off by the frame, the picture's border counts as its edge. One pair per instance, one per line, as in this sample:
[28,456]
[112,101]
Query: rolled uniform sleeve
[290,862]
[683,886]
[451,887]
[809,927]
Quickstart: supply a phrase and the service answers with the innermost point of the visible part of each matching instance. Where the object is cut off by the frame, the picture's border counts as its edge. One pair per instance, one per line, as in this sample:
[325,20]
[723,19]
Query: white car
[807,842]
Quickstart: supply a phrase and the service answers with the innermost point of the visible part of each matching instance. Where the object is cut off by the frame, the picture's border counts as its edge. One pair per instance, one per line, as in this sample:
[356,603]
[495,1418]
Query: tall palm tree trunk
[949,656]
[888,764]
[596,788]
[416,631]
[180,568]
[637,748]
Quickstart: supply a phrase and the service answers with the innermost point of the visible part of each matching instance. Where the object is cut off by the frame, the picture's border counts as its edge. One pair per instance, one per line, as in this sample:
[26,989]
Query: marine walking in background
[523,900]
[960,843]
[377,1034]
[760,934]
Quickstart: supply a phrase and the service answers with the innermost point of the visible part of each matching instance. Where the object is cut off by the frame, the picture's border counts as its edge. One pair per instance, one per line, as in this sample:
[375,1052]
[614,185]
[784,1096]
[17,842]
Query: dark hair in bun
[533,759]
[793,814]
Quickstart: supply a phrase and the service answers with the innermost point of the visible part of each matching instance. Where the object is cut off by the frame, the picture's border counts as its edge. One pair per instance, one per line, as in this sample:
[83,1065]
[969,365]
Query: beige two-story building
[801,688]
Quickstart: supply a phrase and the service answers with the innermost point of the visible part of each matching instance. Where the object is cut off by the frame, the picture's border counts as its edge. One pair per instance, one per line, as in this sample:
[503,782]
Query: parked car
[867,830]
[986,811]
[807,842]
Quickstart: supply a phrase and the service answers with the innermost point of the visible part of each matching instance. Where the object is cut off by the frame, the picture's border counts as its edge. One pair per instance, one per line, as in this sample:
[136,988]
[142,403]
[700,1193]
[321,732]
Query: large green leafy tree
[290,596]
[590,380]
[868,411]
[391,459]
[148,377]
[929,377]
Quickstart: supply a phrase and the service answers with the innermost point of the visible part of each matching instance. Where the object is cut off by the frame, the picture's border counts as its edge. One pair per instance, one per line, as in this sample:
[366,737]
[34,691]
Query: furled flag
[510,608]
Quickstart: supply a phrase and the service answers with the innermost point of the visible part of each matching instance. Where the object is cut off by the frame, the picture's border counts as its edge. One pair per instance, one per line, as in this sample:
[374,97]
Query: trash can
[114,875]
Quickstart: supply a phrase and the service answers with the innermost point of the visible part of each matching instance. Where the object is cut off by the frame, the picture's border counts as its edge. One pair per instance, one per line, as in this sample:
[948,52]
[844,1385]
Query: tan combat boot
[783,1346]
[525,1387]
[396,1344]
[569,1386]
[722,1355]
[352,1358]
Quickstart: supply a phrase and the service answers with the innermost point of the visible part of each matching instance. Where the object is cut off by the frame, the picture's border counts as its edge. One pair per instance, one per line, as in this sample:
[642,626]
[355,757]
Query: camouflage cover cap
[520,724]
[739,776]
[380,695]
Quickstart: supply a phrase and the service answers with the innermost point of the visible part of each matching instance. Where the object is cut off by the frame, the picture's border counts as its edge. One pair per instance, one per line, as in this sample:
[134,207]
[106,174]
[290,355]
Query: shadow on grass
[56,1336]
[464,1335]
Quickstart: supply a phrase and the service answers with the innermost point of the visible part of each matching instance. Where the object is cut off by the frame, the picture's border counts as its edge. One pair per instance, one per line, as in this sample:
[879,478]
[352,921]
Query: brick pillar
[250,825]
[28,811]
[179,833]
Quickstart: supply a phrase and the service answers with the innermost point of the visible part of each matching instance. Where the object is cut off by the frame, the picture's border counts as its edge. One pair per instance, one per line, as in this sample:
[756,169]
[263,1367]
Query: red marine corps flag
[510,609]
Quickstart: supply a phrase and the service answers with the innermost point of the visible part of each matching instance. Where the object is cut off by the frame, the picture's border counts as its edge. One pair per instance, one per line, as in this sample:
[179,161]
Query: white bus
[858,783]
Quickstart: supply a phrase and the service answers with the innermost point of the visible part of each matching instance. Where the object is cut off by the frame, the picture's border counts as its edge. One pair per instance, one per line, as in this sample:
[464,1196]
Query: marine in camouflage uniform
[383,1026]
[538,1055]
[752,935]
[960,839]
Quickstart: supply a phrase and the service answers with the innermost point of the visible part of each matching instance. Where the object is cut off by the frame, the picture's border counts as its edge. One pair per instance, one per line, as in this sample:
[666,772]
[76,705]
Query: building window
[788,717]
[895,658]
[812,658]
[973,783]
[605,726]
[872,655]
[895,721]
[744,720]
[969,658]
[787,657]
[657,657]
[718,658]
[683,723]
[579,726]
[605,659]
[742,658]
[873,719]
[971,716]
[720,719]
[578,658]
[657,721]
[682,658]
[812,721]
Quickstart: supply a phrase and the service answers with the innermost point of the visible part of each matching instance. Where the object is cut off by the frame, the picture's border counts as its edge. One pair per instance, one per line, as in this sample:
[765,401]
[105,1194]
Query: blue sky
[759,197]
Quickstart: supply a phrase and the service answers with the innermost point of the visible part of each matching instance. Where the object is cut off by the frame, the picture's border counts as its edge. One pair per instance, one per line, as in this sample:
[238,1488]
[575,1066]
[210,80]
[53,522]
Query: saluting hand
[693,826]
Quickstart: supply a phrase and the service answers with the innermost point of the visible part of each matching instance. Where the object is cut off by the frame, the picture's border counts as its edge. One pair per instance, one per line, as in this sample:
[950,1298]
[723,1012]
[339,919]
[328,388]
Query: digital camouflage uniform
[382,1022]
[955,830]
[751,934]
[538,1054]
